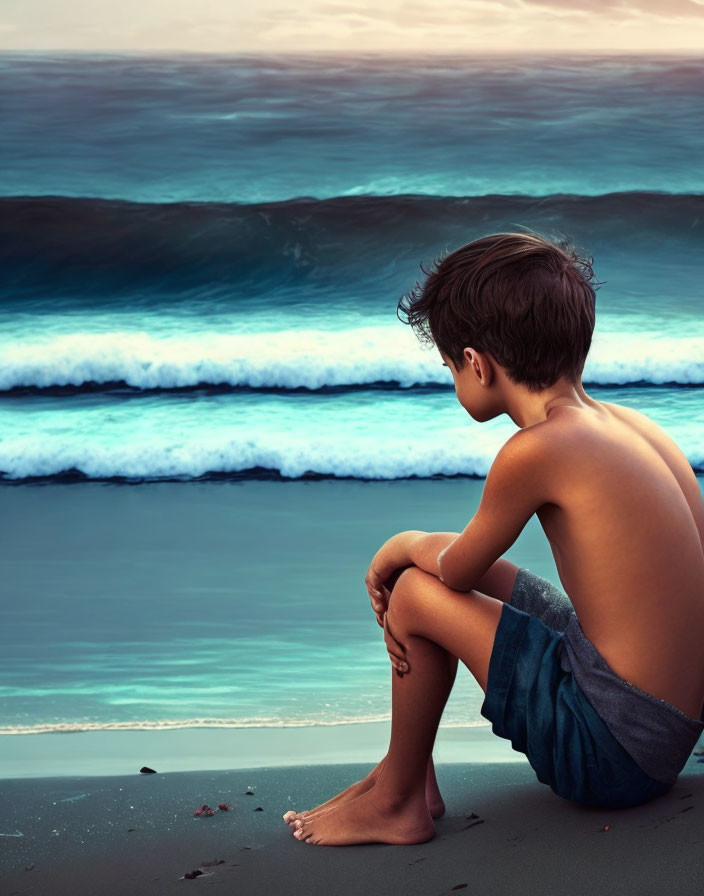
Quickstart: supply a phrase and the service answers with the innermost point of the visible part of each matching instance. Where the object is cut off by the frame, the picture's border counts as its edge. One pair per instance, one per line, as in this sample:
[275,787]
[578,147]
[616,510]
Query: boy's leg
[430,620]
[436,804]
[497,582]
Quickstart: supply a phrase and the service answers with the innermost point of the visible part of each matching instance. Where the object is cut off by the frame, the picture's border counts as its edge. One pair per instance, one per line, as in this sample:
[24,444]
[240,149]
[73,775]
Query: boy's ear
[480,364]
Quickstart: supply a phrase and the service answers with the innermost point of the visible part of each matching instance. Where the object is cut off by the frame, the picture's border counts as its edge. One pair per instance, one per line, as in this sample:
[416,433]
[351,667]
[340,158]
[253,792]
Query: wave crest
[306,359]
[55,245]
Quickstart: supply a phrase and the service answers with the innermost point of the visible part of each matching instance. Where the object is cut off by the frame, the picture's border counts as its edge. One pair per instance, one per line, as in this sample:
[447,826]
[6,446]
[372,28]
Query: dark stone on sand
[249,793]
[259,809]
[190,875]
[145,770]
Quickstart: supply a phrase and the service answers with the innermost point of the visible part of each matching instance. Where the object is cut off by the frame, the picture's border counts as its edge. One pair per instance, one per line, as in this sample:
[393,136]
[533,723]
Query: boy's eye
[444,364]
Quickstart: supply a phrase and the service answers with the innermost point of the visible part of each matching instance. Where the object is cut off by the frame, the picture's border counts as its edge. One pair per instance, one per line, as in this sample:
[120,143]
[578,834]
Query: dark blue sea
[201,258]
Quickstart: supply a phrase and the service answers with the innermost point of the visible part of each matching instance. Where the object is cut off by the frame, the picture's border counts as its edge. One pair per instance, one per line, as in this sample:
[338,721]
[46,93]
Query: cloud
[618,8]
[339,25]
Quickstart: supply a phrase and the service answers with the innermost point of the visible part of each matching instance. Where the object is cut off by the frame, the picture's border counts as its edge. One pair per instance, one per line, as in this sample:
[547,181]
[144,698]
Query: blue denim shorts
[537,705]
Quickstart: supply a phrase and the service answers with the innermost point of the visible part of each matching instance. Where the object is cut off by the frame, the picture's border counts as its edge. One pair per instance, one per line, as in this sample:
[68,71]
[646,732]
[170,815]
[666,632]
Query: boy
[602,690]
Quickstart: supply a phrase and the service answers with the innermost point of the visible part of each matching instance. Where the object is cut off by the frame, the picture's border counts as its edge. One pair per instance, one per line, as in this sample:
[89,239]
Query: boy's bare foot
[367,819]
[436,804]
[349,793]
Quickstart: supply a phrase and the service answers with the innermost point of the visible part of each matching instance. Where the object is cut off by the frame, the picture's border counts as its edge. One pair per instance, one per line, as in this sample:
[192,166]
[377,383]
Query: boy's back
[625,519]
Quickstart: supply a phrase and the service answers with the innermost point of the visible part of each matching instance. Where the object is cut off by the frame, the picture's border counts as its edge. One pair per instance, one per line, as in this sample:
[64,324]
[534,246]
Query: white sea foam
[176,724]
[359,434]
[383,435]
[20,459]
[311,359]
[291,456]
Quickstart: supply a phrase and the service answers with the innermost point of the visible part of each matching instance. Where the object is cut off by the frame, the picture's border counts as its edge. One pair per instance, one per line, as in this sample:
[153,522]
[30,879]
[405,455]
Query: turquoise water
[201,260]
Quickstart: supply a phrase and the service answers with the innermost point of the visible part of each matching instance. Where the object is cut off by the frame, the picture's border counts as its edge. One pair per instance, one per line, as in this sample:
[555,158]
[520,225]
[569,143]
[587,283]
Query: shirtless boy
[600,685]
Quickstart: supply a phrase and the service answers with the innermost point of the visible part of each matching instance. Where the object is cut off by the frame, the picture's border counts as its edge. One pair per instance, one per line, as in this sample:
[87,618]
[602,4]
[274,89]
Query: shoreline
[115,753]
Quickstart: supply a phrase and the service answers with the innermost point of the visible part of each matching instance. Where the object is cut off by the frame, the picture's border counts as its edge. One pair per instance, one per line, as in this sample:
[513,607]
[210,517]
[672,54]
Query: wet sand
[503,832]
[101,753]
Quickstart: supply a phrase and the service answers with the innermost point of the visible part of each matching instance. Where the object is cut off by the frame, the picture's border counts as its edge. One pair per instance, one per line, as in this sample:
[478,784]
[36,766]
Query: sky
[393,26]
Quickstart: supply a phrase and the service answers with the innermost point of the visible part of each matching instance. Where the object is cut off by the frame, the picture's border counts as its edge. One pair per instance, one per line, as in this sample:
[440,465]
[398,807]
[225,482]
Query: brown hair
[528,301]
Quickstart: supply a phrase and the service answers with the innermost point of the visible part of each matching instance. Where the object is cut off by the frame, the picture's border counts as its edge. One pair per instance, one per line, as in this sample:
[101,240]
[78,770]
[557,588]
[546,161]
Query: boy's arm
[514,489]
[424,550]
[409,548]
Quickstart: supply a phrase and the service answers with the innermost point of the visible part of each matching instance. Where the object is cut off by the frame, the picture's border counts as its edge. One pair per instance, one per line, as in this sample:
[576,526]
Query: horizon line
[409,54]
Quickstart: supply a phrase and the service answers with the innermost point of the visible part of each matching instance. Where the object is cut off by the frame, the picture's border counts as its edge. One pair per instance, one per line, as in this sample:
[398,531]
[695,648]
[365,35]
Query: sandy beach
[503,832]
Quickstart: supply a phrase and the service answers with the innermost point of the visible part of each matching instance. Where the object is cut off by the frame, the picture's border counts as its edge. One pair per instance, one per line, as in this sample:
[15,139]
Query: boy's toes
[289,816]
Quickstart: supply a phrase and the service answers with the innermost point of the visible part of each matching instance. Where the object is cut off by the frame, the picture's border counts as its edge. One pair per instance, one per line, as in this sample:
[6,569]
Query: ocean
[200,260]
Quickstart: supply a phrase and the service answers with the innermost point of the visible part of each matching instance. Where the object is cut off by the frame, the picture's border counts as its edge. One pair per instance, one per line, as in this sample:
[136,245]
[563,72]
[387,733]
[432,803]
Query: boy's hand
[387,565]
[396,651]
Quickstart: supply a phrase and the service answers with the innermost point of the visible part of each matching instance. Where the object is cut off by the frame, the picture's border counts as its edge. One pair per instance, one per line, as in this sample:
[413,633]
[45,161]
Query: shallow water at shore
[239,603]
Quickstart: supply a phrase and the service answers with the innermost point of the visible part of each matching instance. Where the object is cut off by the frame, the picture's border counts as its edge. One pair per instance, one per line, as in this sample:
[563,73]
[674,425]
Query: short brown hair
[528,301]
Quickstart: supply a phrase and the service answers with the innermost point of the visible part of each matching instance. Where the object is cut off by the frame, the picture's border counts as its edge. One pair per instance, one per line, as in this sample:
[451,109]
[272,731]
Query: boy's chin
[481,415]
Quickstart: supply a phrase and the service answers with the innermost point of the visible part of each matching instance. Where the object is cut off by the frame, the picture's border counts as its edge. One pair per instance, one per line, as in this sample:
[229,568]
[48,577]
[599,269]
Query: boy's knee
[407,581]
[405,591]
[408,574]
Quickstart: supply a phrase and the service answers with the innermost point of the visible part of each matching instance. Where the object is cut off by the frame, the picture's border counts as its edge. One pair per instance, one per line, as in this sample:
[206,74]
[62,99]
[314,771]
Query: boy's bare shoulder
[582,430]
[617,438]
[637,419]
[533,461]
[664,444]
[574,441]
[543,444]
[592,435]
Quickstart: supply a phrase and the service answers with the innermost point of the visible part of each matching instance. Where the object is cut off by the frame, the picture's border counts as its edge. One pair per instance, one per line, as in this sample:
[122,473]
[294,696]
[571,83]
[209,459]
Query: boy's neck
[527,408]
